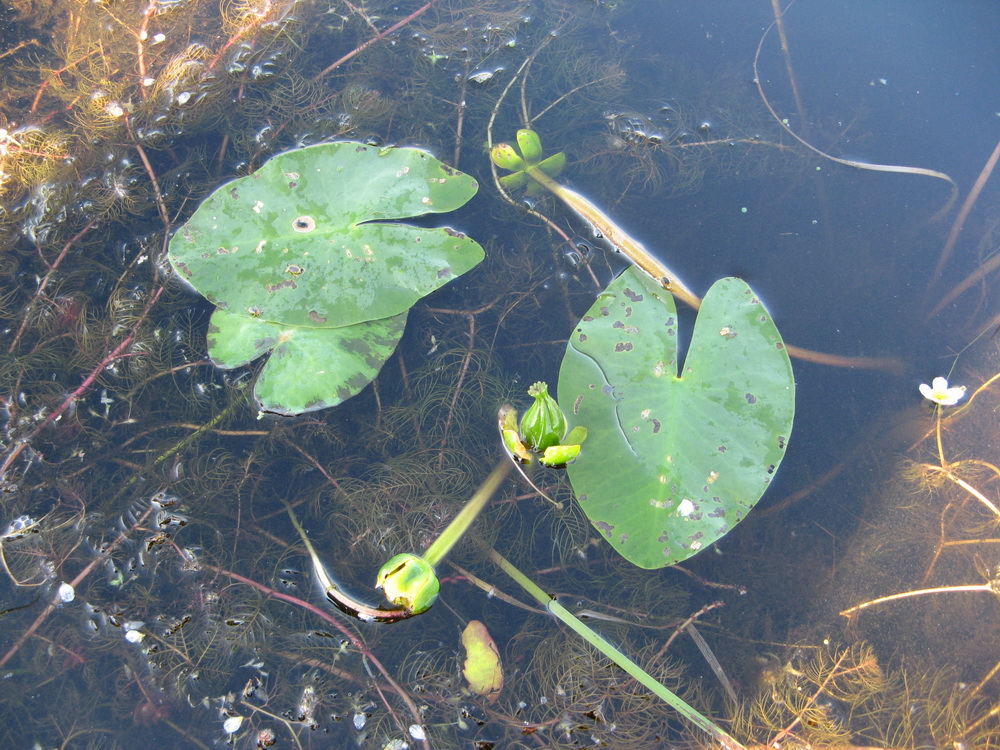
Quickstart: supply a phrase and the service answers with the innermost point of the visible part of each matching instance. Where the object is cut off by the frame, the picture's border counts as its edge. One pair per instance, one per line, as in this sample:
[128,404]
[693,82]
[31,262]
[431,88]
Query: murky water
[153,587]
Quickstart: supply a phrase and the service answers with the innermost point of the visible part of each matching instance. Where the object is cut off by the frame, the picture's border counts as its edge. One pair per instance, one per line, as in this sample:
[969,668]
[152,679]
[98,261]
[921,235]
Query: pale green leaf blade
[236,340]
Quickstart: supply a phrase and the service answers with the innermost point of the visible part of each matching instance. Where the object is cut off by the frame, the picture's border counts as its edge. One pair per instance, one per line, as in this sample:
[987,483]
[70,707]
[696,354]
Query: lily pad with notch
[675,459]
[305,259]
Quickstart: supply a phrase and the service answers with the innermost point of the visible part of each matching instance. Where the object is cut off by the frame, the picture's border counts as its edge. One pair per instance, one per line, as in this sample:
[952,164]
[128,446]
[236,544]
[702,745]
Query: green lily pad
[673,462]
[307,245]
[309,368]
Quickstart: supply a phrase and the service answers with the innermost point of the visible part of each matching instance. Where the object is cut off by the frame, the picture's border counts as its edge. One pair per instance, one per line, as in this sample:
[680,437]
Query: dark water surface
[141,473]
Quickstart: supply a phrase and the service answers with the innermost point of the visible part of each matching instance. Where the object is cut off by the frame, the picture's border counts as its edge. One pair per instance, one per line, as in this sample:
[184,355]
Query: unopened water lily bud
[530,145]
[409,581]
[543,424]
[505,156]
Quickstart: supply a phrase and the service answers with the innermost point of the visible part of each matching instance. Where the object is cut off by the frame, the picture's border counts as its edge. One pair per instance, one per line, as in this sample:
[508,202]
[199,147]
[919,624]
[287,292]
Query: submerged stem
[640,256]
[622,241]
[340,598]
[460,523]
[594,639]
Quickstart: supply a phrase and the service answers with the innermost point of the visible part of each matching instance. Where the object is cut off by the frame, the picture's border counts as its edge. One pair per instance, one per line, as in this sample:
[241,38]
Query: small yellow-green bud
[530,145]
[505,156]
[543,424]
[409,581]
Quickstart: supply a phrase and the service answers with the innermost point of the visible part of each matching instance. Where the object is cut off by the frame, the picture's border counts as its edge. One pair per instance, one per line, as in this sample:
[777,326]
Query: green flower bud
[505,156]
[530,145]
[409,581]
[543,424]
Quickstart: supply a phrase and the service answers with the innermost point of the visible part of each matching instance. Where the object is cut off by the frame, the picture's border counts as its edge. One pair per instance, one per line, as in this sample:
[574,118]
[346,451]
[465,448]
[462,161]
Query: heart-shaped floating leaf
[304,246]
[309,368]
[673,462]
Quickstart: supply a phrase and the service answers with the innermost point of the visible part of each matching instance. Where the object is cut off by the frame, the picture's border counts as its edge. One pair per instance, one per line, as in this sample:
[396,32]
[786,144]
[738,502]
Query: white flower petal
[232,724]
[417,732]
[66,593]
[134,636]
[952,396]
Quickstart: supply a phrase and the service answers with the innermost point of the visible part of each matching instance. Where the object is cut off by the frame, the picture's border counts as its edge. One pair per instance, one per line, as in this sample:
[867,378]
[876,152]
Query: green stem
[595,640]
[614,234]
[460,523]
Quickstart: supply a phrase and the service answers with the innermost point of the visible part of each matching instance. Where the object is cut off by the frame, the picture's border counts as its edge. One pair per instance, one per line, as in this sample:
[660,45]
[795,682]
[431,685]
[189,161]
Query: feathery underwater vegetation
[161,540]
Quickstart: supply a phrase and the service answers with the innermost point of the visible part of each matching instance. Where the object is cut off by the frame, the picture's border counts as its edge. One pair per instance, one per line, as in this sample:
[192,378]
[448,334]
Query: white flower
[939,392]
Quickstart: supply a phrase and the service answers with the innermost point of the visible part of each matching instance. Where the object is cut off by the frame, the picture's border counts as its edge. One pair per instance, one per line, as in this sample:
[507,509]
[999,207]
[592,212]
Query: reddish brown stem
[115,353]
[381,35]
[45,282]
[261,17]
[963,213]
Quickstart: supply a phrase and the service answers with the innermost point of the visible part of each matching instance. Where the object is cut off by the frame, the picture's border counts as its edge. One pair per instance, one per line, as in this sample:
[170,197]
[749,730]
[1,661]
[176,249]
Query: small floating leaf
[482,669]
